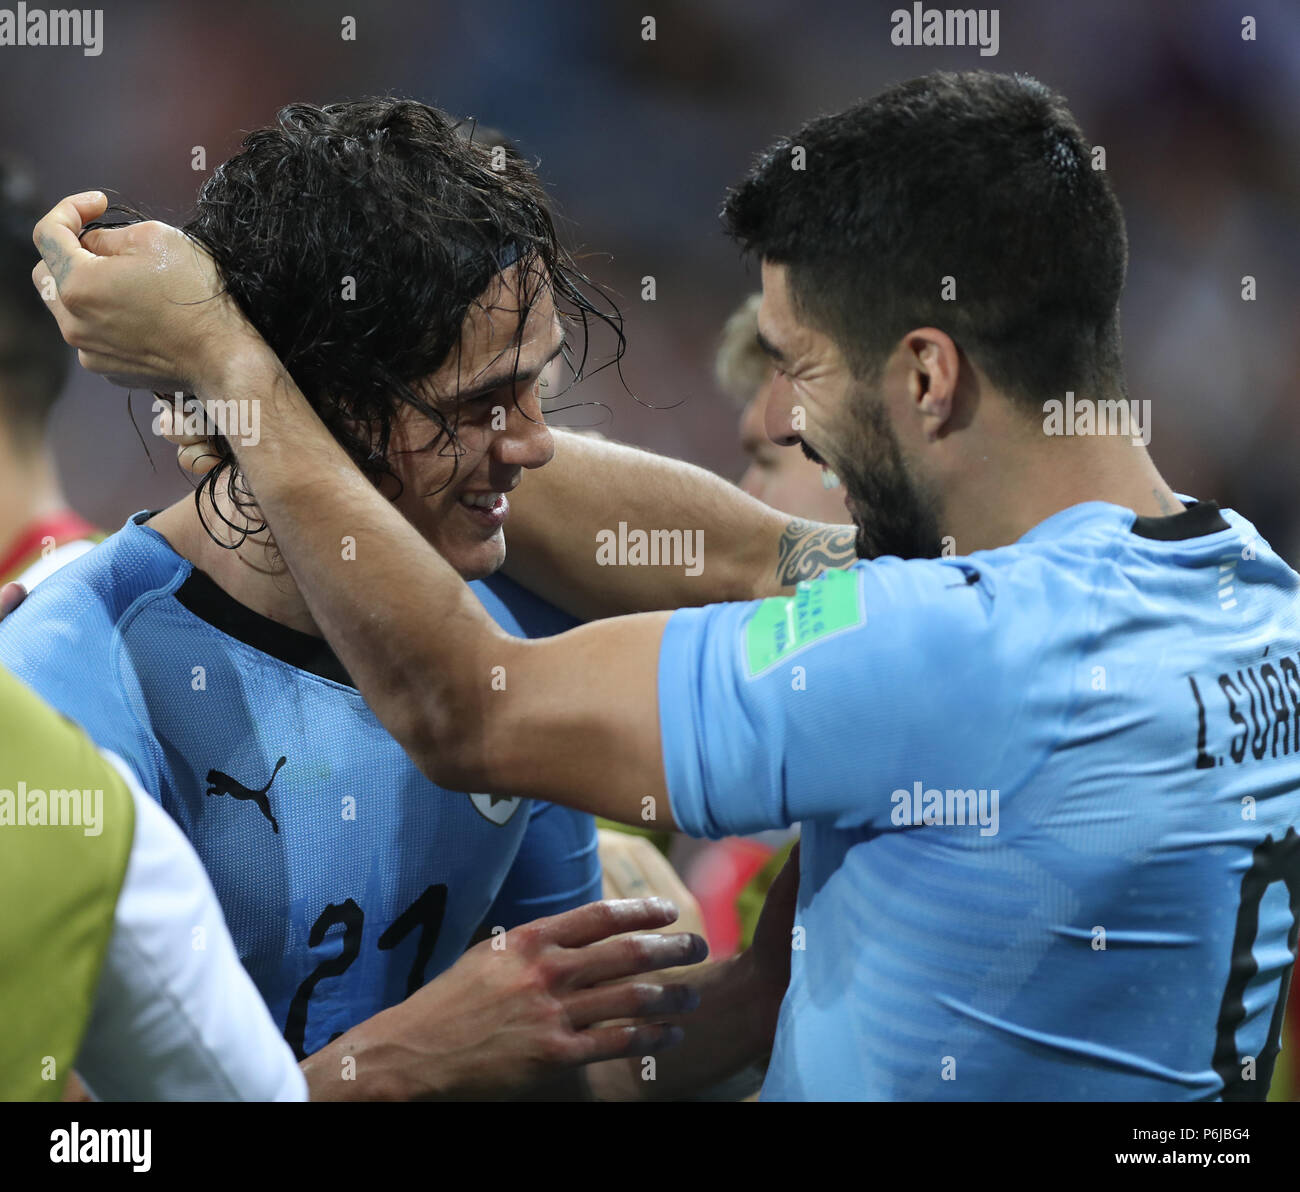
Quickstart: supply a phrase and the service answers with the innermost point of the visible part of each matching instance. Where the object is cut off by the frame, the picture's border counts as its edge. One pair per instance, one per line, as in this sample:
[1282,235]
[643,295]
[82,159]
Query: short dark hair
[34,360]
[984,178]
[394,195]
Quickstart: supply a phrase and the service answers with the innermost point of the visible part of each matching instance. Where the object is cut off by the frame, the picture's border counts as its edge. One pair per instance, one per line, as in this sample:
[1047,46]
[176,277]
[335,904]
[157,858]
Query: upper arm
[575,719]
[819,706]
[737,718]
[69,658]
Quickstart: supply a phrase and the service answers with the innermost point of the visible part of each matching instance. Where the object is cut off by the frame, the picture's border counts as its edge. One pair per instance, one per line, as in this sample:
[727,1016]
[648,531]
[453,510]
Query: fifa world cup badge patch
[785,625]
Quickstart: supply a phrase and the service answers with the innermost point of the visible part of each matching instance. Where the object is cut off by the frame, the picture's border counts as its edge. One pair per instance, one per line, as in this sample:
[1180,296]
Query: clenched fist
[143,304]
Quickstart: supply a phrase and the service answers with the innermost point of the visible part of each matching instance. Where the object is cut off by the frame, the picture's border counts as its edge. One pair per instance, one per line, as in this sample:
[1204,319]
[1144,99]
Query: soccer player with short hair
[1048,785]
[357,238]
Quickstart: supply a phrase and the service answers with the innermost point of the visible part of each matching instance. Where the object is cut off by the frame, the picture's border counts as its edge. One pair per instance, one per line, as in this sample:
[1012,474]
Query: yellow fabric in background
[58,889]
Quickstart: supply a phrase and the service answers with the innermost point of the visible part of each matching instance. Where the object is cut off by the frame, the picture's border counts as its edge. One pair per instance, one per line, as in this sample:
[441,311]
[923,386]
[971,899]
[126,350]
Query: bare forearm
[371,582]
[359,1066]
[580,526]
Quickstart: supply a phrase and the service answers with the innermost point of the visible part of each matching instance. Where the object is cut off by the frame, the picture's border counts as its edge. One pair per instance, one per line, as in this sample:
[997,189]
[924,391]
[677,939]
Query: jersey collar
[1198,520]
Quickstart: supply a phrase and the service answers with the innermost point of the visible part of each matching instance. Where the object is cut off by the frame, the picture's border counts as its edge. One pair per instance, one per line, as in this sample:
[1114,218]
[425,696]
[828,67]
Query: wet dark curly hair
[355,237]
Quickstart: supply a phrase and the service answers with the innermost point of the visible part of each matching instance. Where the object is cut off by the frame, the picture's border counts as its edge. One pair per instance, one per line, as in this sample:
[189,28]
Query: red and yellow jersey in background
[45,545]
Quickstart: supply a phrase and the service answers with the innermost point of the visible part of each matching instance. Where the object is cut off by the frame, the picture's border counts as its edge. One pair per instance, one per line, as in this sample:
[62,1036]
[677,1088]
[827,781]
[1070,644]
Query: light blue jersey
[1049,797]
[346,877]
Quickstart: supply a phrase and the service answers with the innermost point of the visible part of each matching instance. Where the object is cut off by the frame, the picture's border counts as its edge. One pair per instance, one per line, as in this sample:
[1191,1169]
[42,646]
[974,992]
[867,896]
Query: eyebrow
[768,347]
[492,384]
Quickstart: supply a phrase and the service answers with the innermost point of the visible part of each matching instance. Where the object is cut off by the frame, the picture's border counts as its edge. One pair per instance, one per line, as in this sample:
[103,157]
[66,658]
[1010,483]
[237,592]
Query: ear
[933,363]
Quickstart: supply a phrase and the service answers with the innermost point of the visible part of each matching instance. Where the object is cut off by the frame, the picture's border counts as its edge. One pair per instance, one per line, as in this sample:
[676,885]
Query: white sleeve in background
[173,1021]
[59,557]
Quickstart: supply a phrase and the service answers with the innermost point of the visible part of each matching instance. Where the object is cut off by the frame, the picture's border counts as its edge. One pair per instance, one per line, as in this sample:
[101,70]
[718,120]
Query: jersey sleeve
[176,1016]
[556,869]
[822,705]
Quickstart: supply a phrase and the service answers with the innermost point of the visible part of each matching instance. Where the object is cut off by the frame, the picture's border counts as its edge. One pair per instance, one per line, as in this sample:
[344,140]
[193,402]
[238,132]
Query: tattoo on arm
[809,548]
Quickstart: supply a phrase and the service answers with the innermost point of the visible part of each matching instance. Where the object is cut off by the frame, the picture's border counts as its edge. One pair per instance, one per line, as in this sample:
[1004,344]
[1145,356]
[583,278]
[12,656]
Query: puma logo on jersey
[223,784]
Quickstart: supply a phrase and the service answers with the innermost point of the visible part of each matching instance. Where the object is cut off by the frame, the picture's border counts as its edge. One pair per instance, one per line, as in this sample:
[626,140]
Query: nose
[778,417]
[526,441]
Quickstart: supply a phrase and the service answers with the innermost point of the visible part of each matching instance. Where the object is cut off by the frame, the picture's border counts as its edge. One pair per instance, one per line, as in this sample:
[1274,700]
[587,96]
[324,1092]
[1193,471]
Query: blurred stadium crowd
[637,149]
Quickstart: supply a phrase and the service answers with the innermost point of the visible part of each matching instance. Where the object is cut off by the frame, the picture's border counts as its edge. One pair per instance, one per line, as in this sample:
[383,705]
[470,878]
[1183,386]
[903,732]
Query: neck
[251,573]
[29,489]
[1025,476]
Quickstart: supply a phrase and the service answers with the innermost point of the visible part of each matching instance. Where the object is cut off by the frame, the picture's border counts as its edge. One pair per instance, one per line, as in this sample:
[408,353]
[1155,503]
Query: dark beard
[893,515]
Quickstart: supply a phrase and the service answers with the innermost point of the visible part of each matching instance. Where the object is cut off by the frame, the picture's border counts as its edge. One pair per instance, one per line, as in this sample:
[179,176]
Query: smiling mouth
[481,500]
[810,453]
[490,510]
[829,478]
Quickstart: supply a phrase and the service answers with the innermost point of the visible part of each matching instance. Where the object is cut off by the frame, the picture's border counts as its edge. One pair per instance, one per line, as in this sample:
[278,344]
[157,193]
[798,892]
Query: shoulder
[77,608]
[943,626]
[63,640]
[882,603]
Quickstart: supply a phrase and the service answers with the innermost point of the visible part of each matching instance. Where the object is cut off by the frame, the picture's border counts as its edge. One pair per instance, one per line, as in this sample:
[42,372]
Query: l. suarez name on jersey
[1262,702]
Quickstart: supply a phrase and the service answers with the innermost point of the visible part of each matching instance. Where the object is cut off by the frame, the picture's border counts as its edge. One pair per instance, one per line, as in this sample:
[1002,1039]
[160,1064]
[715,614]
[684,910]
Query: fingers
[107,242]
[629,999]
[56,235]
[61,225]
[634,868]
[11,596]
[194,452]
[43,280]
[117,370]
[45,285]
[620,1042]
[641,953]
[198,459]
[599,920]
[171,422]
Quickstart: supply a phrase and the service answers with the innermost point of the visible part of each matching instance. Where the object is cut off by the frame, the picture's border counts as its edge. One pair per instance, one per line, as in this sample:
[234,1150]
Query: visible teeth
[829,479]
[480,500]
